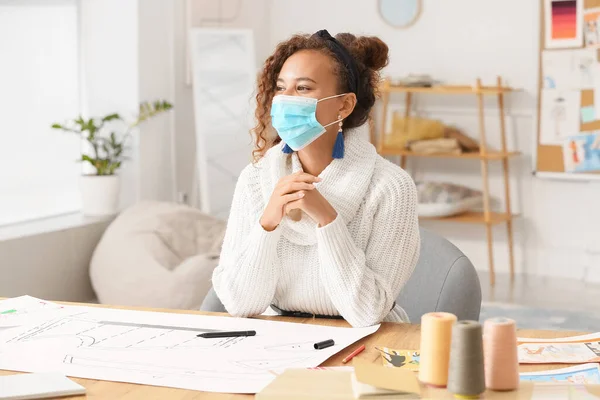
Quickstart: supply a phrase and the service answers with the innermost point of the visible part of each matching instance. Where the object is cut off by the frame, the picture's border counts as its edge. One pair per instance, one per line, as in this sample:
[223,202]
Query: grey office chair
[443,280]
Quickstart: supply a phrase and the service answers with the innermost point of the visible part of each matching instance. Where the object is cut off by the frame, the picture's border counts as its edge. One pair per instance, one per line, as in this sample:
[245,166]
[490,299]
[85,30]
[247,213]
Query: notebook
[365,391]
[37,386]
[371,381]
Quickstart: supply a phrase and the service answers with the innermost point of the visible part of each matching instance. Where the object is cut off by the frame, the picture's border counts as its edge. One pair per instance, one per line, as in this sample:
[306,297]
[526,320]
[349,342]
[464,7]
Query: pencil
[353,354]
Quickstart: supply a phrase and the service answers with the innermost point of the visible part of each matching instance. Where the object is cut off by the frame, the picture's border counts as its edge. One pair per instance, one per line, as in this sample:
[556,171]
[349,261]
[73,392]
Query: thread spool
[466,376]
[436,335]
[500,349]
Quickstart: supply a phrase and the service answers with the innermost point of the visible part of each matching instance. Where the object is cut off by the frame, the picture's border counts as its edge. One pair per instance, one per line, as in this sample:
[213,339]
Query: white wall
[50,259]
[156,80]
[252,14]
[109,85]
[457,41]
[127,54]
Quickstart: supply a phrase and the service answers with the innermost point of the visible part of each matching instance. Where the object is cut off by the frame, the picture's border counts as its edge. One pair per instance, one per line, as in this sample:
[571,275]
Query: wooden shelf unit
[487,217]
[442,89]
[492,155]
[474,217]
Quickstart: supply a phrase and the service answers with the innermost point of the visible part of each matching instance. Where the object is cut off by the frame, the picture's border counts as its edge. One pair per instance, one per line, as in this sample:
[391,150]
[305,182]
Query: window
[39,85]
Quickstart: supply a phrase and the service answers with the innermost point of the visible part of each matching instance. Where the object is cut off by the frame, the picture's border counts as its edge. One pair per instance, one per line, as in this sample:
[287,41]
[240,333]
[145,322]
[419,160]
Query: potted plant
[100,190]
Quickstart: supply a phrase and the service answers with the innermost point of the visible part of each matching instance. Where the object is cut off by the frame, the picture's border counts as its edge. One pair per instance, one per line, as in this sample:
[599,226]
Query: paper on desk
[591,337]
[162,349]
[23,310]
[580,374]
[554,352]
[564,392]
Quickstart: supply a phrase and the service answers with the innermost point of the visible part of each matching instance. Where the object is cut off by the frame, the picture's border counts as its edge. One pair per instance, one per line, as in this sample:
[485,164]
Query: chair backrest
[443,280]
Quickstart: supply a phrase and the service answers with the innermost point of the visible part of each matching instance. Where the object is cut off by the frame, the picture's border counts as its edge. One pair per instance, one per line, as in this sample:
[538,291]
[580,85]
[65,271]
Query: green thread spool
[466,375]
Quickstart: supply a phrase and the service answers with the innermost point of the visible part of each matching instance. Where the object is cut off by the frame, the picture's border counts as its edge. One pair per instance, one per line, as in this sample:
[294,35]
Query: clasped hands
[297,192]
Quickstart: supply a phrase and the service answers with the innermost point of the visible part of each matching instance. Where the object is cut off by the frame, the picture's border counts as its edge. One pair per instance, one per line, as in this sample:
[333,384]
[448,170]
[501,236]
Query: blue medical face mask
[295,119]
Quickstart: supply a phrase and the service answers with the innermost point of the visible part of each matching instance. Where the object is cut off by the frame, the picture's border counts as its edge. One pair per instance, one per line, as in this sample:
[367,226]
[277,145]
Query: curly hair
[370,54]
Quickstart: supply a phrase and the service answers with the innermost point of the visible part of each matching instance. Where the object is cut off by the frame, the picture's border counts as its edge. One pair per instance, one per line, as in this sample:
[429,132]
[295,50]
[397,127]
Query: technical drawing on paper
[21,310]
[116,335]
[163,349]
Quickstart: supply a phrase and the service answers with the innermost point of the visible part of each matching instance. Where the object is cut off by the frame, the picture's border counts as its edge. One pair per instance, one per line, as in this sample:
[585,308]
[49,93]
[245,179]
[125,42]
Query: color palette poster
[563,23]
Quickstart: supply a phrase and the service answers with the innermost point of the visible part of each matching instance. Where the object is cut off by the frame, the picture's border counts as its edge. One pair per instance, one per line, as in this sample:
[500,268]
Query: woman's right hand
[289,188]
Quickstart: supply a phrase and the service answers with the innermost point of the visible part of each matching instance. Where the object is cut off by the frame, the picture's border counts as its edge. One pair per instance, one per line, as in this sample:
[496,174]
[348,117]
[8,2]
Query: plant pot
[99,194]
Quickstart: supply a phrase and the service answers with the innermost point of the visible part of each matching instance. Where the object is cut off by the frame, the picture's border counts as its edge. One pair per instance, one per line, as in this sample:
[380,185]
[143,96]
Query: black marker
[211,335]
[325,344]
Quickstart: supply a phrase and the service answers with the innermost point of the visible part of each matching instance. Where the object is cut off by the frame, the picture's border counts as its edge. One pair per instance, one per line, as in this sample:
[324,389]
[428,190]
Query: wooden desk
[398,336]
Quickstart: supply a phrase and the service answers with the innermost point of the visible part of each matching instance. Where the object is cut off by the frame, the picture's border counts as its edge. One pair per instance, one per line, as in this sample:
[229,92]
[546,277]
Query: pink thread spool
[500,354]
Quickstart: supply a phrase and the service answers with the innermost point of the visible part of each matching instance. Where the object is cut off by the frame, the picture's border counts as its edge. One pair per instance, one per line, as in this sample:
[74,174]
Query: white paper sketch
[560,113]
[584,64]
[162,349]
[563,22]
[224,77]
[569,69]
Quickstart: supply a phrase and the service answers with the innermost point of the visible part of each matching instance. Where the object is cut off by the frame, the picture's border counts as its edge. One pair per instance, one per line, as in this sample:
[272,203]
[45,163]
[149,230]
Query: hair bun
[369,50]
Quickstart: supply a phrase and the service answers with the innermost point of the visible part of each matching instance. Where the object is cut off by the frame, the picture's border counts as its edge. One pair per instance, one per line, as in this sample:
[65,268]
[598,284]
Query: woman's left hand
[315,206]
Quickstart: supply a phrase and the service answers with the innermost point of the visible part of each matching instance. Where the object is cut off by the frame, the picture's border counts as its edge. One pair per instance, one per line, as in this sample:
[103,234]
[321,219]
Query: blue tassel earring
[287,149]
[338,148]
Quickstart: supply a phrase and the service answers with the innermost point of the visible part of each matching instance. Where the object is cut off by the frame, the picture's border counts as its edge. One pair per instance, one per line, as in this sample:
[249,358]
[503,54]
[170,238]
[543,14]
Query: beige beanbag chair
[157,254]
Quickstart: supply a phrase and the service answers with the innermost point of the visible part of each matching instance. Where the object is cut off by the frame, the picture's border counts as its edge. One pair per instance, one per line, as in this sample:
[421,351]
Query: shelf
[442,89]
[490,155]
[472,217]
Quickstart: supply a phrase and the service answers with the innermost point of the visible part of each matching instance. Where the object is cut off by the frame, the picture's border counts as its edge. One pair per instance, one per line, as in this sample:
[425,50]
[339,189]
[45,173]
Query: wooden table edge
[392,335]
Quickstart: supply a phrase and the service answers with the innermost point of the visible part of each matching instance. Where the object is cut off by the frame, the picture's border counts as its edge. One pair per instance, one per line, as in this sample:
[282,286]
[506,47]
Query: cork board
[549,158]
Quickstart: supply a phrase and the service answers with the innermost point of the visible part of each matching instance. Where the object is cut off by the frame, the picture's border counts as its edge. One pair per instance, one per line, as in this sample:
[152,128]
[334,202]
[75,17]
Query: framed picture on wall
[563,23]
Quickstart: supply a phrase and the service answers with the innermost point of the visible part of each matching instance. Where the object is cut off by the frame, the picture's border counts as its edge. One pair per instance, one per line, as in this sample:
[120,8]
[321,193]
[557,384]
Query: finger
[304,177]
[291,187]
[288,198]
[300,177]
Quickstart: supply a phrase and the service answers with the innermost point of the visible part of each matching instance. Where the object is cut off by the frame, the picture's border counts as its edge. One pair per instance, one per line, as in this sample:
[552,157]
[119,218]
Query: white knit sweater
[354,267]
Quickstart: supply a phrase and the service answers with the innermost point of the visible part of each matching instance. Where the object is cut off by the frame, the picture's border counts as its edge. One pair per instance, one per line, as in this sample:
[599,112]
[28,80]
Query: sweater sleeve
[363,285]
[248,270]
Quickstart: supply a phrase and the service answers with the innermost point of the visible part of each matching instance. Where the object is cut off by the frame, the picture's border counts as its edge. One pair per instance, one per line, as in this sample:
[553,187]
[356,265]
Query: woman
[320,223]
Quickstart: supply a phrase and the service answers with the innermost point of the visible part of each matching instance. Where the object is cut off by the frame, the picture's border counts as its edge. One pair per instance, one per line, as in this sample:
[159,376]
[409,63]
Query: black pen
[209,335]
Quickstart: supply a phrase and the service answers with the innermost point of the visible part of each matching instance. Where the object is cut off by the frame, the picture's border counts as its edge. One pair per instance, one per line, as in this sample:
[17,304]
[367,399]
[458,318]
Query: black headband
[344,56]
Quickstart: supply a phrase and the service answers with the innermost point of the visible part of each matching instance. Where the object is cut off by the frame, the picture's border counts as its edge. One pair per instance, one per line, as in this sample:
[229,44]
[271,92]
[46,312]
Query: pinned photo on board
[570,69]
[591,27]
[560,115]
[581,153]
